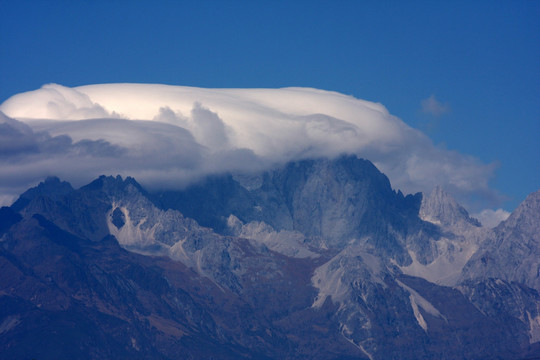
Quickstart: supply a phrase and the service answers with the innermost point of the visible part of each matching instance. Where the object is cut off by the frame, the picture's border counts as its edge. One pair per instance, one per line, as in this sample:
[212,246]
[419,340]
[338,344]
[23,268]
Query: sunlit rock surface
[319,259]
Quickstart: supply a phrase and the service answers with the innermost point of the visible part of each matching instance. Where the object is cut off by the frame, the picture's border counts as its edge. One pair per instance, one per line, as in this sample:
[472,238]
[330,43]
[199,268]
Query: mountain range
[317,259]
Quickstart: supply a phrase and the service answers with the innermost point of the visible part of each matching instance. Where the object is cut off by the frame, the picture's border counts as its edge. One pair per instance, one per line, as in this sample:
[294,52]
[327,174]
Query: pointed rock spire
[440,207]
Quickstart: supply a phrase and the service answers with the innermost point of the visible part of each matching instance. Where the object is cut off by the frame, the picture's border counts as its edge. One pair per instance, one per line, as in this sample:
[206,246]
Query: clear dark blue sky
[479,59]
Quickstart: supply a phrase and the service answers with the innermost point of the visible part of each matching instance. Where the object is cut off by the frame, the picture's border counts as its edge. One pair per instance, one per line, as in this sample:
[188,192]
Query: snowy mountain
[319,259]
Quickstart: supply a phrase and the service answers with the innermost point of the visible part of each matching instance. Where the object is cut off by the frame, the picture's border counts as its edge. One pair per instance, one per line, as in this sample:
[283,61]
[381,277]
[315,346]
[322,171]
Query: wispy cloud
[167,136]
[434,107]
[491,218]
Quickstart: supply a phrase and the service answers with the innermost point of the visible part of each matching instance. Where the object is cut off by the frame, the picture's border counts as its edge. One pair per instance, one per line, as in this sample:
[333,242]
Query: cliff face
[320,259]
[511,251]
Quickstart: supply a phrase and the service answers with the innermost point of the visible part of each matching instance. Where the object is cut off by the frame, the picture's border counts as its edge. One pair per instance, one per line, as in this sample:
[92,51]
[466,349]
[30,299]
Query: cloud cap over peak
[168,135]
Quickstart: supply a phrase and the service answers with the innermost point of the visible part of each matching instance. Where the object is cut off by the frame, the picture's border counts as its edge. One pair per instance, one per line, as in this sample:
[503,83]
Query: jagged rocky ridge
[319,259]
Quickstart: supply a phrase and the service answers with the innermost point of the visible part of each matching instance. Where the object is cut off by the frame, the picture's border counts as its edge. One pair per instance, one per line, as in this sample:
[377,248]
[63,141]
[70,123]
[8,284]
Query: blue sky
[478,61]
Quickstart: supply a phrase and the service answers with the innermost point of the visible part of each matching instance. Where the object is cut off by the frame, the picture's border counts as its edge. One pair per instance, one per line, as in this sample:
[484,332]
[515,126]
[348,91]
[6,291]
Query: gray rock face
[329,202]
[501,275]
[511,251]
[441,208]
[445,242]
[51,188]
[320,259]
[335,200]
[515,305]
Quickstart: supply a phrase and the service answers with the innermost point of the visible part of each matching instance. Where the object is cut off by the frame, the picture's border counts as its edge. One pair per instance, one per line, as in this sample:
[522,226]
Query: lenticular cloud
[167,136]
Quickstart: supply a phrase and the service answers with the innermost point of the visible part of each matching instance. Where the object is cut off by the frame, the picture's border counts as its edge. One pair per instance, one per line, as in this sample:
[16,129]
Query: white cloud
[170,135]
[434,107]
[56,102]
[491,218]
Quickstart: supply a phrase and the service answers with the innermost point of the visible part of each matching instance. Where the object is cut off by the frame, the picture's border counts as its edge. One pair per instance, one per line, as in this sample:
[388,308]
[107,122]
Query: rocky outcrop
[511,251]
[321,259]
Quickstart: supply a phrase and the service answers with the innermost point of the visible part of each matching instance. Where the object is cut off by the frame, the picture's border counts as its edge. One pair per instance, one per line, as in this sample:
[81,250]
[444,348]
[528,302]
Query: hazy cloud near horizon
[167,136]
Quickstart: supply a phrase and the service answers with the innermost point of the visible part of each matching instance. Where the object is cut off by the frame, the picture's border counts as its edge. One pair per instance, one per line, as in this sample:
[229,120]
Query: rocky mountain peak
[336,199]
[114,186]
[441,208]
[320,259]
[511,251]
[52,187]
[526,215]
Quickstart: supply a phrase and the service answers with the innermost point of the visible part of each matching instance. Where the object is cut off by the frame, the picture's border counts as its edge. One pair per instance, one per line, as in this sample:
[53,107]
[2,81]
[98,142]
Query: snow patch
[428,218]
[446,268]
[288,243]
[417,313]
[9,323]
[417,301]
[346,332]
[336,277]
[177,252]
[131,234]
[373,263]
[534,328]
[134,344]
[328,281]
